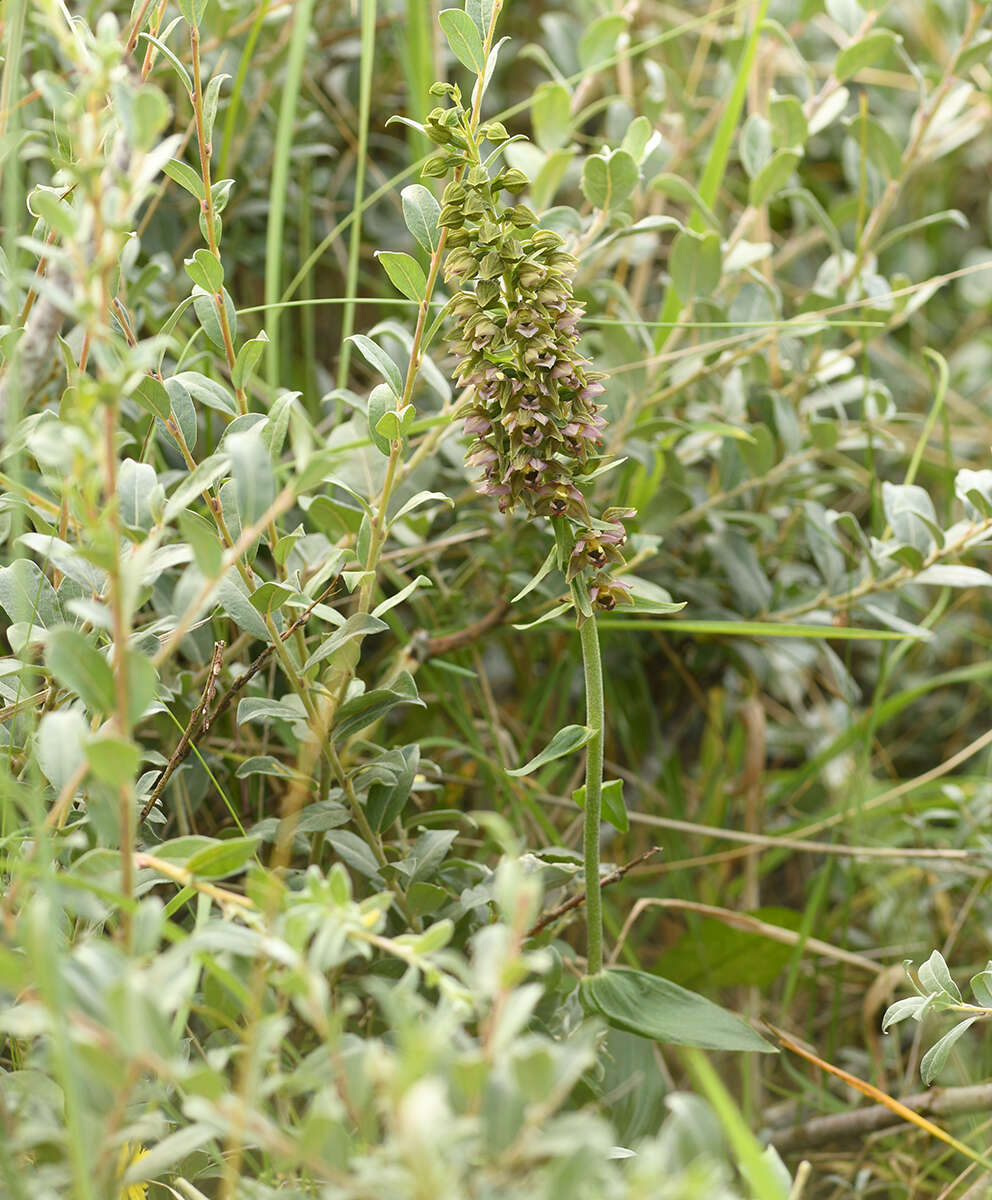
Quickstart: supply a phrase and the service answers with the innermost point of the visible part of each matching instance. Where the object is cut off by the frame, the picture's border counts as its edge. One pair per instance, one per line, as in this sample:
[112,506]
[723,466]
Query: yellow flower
[129,1155]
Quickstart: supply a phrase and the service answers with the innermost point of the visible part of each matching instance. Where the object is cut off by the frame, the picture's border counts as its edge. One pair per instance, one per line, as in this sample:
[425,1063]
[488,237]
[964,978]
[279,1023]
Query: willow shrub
[275,916]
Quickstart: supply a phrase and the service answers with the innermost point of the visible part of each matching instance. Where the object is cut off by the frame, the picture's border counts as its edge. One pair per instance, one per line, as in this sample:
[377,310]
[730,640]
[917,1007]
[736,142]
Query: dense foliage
[445,449]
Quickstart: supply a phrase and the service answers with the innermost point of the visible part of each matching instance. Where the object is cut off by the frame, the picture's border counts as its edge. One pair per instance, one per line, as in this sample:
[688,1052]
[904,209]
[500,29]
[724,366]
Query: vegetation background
[277,919]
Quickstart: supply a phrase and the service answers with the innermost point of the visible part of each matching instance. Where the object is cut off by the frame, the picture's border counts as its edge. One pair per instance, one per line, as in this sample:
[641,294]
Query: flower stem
[592,664]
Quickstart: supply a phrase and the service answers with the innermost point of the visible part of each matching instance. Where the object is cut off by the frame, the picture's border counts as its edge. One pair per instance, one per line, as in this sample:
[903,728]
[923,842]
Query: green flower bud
[491,266]
[512,180]
[454,193]
[495,132]
[522,217]
[437,166]
[451,217]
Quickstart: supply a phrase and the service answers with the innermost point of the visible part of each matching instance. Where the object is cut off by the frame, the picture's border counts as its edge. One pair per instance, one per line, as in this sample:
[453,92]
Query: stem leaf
[566,741]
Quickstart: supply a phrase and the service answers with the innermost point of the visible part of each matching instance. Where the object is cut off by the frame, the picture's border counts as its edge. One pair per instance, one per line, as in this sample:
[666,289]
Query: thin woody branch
[579,898]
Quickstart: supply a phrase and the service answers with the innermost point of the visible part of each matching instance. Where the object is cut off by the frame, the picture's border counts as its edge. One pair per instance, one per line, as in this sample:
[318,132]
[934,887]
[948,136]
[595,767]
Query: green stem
[592,664]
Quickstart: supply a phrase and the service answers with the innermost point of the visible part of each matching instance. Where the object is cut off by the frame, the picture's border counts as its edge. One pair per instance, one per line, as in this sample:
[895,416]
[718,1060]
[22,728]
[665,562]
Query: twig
[239,684]
[937,1102]
[579,898]
[185,744]
[436,646]
[199,721]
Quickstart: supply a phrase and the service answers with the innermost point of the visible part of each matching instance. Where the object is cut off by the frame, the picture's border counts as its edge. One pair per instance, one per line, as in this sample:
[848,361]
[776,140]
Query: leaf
[365,710]
[864,53]
[186,177]
[205,269]
[935,977]
[599,41]
[222,858]
[358,625]
[911,1006]
[676,188]
[695,264]
[402,594]
[27,596]
[416,501]
[385,801]
[247,359]
[151,394]
[543,571]
[932,1063]
[552,615]
[405,274]
[910,512]
[565,741]
[463,37]
[772,177]
[655,1008]
[614,810]
[207,391]
[59,745]
[954,576]
[551,113]
[609,179]
[251,470]
[420,212]
[376,357]
[755,147]
[76,664]
[200,479]
[113,759]
[481,12]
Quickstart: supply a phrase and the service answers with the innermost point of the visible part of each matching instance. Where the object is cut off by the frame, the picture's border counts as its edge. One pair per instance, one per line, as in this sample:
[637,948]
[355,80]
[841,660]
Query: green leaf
[695,264]
[59,745]
[254,478]
[481,12]
[177,66]
[565,741]
[463,37]
[152,396]
[609,179]
[755,146]
[54,211]
[935,977]
[193,10]
[773,176]
[26,594]
[952,575]
[416,501]
[402,594]
[365,710]
[405,274]
[113,759]
[676,188]
[223,858]
[376,357]
[270,596]
[382,400]
[186,177]
[358,625]
[420,212]
[200,479]
[655,1008]
[932,1063]
[76,664]
[206,270]
[599,42]
[247,359]
[864,53]
[614,809]
[204,540]
[551,113]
